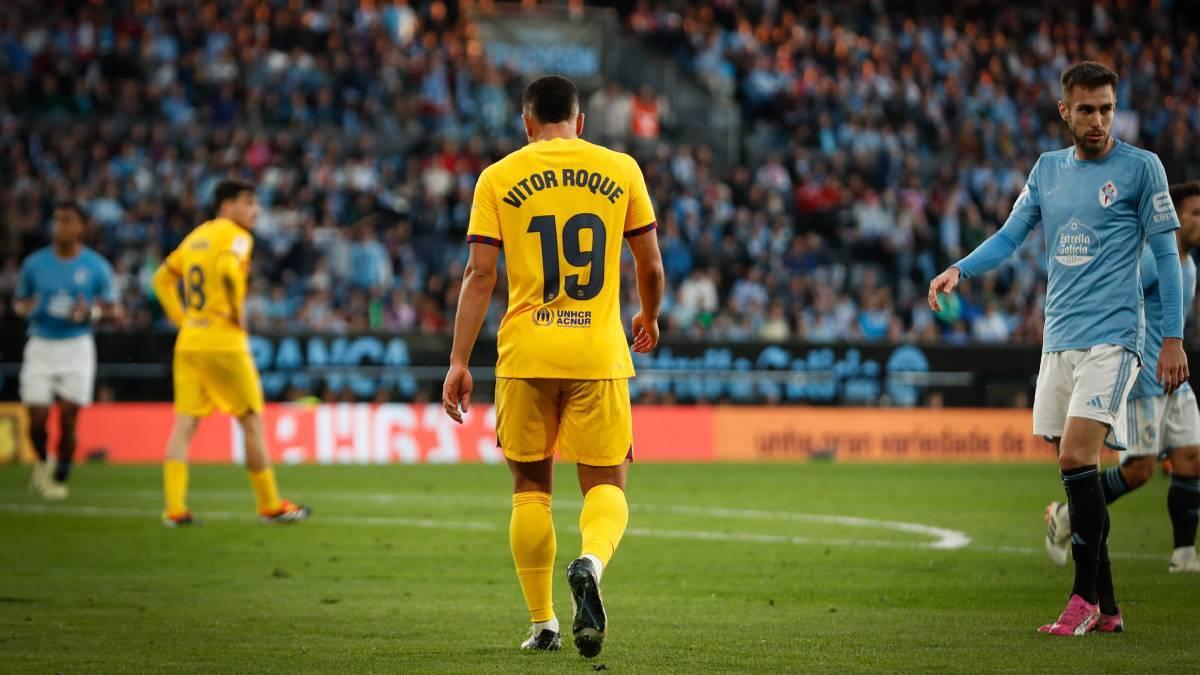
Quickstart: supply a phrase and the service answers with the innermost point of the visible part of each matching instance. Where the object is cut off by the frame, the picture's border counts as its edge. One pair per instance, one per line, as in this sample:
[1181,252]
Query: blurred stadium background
[813,165]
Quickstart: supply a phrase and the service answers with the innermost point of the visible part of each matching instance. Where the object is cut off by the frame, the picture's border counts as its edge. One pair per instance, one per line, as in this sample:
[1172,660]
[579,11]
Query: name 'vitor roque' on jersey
[560,209]
[594,182]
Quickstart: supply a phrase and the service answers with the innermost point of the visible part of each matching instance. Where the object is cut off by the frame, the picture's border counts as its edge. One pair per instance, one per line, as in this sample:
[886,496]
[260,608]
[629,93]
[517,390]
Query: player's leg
[1182,437]
[1146,428]
[605,513]
[527,426]
[1127,476]
[39,436]
[534,546]
[1096,415]
[74,382]
[271,508]
[37,394]
[1183,504]
[175,468]
[1078,459]
[597,433]
[232,381]
[1050,402]
[68,423]
[192,404]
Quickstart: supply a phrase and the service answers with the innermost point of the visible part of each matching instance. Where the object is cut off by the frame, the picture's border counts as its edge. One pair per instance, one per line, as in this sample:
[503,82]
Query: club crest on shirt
[1108,194]
[81,276]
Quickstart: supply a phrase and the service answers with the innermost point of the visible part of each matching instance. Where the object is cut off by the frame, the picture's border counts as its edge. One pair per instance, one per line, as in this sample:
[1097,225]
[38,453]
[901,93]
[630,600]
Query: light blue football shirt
[1096,215]
[58,285]
[1147,382]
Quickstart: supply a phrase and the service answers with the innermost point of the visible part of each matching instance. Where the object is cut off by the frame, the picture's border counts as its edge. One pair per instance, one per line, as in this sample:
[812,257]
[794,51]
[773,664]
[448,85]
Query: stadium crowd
[877,150]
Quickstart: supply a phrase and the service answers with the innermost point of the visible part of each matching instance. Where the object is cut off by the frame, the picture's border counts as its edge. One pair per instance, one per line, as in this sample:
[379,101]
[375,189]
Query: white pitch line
[944,538]
[425,523]
[698,535]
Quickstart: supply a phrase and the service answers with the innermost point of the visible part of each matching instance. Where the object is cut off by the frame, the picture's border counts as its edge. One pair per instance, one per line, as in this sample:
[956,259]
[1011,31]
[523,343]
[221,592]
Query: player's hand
[456,392]
[1172,365]
[82,311]
[24,308]
[942,283]
[645,333]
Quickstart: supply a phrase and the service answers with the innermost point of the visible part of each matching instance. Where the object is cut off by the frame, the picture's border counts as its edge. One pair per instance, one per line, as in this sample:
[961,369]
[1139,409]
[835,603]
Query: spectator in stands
[872,142]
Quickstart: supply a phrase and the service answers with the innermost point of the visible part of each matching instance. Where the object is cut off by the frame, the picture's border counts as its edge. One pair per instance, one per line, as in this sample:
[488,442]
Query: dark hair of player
[550,99]
[1088,75]
[1182,191]
[71,205]
[230,189]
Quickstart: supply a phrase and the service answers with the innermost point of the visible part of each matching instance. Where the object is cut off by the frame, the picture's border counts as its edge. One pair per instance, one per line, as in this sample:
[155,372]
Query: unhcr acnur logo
[543,316]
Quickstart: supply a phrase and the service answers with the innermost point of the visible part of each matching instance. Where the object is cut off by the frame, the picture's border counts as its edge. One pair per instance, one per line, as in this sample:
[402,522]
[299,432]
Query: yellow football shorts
[225,379]
[586,421]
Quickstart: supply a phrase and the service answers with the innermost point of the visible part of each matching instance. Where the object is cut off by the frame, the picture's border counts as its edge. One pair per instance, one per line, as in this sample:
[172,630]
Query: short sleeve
[242,246]
[1156,213]
[484,226]
[640,216]
[105,290]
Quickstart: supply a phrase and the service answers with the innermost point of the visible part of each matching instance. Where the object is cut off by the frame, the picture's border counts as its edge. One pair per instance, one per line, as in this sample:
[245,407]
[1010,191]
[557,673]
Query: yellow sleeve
[233,273]
[166,287]
[233,267]
[640,216]
[484,227]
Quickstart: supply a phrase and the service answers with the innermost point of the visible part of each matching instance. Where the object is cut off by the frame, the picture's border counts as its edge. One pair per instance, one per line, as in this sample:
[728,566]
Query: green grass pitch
[407,569]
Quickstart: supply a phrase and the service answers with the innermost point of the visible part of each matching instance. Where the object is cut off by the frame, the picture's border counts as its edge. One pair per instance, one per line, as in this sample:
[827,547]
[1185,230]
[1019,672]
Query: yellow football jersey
[560,209]
[214,263]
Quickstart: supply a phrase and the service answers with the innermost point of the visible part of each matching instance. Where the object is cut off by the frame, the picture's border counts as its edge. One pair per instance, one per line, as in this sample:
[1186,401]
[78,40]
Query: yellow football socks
[602,521]
[175,485]
[531,534]
[265,490]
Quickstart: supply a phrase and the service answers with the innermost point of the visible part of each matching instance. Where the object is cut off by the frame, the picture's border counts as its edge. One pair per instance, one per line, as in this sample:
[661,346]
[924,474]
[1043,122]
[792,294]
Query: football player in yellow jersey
[560,208]
[213,367]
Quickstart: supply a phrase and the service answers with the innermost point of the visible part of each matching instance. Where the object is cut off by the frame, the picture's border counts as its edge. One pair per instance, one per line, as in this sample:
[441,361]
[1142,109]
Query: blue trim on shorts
[1114,403]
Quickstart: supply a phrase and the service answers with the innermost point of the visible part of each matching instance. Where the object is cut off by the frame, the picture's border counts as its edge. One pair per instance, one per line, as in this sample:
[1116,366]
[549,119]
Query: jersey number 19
[547,229]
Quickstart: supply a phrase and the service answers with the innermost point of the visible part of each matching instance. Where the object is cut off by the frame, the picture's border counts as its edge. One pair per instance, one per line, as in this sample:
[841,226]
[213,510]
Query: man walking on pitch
[212,366]
[560,207]
[1099,201]
[63,289]
[1160,426]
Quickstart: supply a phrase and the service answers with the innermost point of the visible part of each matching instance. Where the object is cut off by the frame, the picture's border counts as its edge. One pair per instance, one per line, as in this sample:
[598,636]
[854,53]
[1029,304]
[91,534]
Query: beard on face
[1082,140]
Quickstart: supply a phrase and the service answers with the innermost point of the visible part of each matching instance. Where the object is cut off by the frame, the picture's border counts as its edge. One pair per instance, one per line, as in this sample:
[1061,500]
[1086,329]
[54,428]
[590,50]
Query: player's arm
[643,243]
[479,281]
[24,301]
[1026,214]
[107,306]
[166,288]
[651,282]
[233,273]
[1157,214]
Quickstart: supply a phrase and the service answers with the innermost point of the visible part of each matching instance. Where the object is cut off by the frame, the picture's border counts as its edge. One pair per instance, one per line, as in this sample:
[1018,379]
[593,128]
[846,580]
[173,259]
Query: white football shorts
[1159,424]
[1089,383]
[63,369]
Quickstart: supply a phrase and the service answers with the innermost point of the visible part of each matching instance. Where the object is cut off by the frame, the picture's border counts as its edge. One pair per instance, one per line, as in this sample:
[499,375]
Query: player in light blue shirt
[1099,203]
[63,289]
[1160,425]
